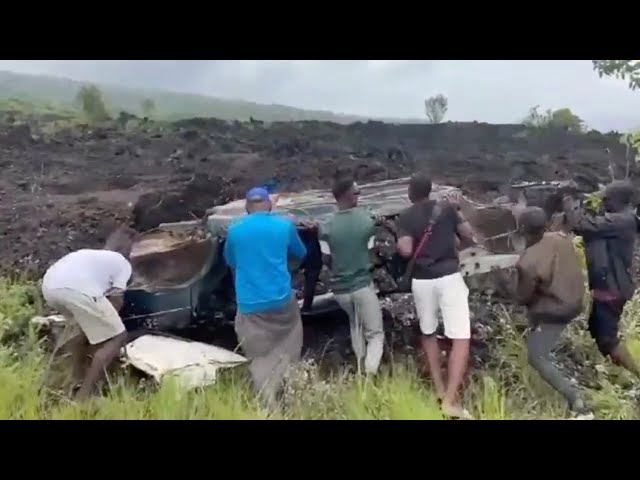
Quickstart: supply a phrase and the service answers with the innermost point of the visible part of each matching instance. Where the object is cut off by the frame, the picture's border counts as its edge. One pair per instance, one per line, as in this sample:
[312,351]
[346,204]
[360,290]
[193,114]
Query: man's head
[419,187]
[346,191]
[258,200]
[618,196]
[121,241]
[533,222]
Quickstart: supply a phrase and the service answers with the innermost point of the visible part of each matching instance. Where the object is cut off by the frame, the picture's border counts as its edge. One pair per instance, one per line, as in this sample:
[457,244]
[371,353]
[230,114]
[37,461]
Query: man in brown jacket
[551,284]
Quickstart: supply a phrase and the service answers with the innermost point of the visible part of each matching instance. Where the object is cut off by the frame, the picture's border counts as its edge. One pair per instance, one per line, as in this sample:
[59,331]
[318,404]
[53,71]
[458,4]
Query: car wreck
[180,277]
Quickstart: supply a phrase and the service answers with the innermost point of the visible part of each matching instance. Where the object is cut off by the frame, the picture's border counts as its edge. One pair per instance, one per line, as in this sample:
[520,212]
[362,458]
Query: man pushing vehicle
[268,323]
[87,286]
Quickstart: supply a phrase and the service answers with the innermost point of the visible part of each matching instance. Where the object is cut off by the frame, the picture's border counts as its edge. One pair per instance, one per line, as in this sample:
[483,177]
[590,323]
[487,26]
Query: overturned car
[180,276]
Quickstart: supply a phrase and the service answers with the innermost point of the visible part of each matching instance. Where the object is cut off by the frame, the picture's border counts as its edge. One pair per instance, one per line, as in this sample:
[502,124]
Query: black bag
[404,282]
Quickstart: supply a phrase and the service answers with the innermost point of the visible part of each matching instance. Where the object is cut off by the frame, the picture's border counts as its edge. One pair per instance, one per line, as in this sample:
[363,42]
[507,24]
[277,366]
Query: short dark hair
[533,220]
[120,239]
[341,186]
[621,191]
[420,186]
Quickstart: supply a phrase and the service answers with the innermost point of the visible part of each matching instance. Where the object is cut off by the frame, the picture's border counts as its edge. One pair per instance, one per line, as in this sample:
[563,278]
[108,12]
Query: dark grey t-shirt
[439,256]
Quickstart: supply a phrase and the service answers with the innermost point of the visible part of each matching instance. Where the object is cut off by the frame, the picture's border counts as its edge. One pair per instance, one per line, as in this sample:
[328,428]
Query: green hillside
[44,95]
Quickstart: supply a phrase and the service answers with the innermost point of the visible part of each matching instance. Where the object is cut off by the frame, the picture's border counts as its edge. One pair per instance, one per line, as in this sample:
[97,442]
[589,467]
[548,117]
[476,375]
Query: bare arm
[116,297]
[464,231]
[325,249]
[404,231]
[118,285]
[405,246]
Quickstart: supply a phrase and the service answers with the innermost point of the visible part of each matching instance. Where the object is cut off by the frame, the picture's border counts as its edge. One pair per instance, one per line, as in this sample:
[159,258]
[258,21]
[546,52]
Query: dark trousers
[541,341]
[604,323]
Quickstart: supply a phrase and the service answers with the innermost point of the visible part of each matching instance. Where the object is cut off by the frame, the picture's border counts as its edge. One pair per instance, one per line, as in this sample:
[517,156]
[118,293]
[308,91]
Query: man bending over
[550,283]
[87,286]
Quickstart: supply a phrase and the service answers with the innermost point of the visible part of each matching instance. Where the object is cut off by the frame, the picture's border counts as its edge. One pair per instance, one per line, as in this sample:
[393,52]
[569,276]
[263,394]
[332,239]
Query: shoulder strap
[435,213]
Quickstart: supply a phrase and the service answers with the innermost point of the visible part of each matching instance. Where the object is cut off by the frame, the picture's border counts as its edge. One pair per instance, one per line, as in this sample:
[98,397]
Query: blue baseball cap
[258,194]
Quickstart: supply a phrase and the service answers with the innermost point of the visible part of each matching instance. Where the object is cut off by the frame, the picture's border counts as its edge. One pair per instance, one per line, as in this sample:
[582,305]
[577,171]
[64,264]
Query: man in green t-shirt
[345,241]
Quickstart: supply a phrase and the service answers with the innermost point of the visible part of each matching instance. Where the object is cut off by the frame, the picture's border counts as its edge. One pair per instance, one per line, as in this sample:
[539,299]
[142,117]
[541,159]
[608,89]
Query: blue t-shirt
[257,248]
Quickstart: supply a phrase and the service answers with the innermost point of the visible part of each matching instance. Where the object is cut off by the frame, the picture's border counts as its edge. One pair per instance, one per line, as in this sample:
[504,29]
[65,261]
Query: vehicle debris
[192,364]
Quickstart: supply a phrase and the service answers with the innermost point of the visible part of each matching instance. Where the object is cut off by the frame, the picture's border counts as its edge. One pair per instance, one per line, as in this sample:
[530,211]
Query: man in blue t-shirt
[268,323]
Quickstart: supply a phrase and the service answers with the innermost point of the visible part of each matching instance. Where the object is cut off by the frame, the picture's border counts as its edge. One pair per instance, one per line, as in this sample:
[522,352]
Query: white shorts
[96,316]
[450,295]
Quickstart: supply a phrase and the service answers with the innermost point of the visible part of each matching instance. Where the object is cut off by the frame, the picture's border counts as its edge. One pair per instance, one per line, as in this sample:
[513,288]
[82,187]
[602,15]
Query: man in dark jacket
[609,242]
[550,283]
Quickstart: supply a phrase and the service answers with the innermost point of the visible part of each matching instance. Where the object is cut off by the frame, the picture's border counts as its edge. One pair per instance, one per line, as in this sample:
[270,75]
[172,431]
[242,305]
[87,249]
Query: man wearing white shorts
[438,285]
[86,286]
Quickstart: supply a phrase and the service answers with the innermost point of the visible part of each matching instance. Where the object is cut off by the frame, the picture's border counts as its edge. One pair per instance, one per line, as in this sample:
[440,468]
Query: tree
[565,118]
[436,108]
[561,118]
[91,102]
[623,69]
[148,107]
[536,119]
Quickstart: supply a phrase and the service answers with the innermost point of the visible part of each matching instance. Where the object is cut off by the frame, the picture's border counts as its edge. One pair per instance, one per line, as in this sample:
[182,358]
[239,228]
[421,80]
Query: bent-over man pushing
[550,283]
[87,287]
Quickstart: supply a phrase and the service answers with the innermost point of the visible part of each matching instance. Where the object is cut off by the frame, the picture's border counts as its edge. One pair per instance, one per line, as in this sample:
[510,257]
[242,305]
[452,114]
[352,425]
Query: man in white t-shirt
[87,286]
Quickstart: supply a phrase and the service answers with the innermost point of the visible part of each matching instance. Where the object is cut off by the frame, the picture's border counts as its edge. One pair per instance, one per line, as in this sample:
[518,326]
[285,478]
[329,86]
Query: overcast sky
[495,91]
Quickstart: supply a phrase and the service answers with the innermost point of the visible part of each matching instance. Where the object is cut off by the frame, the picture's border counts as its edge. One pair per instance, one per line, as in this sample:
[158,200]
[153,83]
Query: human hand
[503,276]
[307,224]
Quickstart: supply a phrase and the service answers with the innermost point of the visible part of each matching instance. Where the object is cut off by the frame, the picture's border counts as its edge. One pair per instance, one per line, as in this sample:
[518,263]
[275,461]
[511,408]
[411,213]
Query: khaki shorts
[96,316]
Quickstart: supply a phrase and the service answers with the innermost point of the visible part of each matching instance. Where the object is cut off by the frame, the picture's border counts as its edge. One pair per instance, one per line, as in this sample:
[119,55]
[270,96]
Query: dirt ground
[65,190]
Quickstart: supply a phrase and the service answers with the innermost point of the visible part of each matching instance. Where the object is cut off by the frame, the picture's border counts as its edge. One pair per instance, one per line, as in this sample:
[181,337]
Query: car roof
[388,197]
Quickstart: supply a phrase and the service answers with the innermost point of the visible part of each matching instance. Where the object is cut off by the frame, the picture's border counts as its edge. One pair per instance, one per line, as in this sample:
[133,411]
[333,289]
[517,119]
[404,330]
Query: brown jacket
[550,280]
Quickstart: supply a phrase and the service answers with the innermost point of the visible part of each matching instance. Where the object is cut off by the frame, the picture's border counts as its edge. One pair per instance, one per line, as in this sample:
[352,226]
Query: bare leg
[78,348]
[105,354]
[623,358]
[457,367]
[431,351]
[454,304]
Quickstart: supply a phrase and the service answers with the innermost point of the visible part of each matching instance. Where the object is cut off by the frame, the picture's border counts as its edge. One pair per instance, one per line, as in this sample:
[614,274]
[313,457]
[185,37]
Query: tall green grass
[506,389]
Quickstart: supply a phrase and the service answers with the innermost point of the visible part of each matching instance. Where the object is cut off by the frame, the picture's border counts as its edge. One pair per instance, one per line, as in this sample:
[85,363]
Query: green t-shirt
[347,233]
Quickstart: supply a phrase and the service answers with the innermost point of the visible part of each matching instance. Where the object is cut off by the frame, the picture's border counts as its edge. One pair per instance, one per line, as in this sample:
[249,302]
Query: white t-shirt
[92,272]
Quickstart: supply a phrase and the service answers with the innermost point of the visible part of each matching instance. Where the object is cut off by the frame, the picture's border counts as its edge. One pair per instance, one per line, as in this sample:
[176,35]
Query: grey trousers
[273,343]
[540,343]
[365,320]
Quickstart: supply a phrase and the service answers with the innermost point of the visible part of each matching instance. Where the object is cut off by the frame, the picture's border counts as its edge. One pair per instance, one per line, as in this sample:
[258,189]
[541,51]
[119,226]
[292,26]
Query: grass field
[507,390]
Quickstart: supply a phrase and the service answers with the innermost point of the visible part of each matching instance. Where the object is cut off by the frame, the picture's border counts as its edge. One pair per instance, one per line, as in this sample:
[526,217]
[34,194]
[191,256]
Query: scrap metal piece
[487,263]
[192,364]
